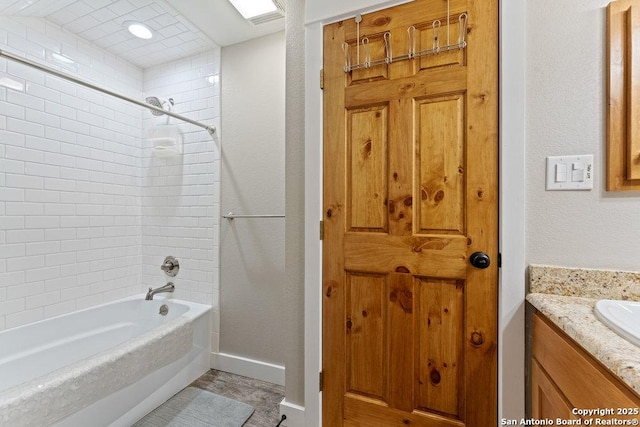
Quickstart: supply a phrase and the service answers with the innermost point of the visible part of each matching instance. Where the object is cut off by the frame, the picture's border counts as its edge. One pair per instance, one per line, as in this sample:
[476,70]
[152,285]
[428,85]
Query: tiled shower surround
[87,211]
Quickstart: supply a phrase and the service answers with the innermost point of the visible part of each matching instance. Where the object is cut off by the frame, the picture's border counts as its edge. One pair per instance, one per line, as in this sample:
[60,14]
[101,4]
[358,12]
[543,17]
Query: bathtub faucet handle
[171,266]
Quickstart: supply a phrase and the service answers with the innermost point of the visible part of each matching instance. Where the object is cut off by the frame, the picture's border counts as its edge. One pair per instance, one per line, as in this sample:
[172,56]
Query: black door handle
[480,260]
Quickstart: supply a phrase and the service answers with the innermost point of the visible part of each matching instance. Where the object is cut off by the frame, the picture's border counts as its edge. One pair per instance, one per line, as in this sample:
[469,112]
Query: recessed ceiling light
[252,8]
[139,30]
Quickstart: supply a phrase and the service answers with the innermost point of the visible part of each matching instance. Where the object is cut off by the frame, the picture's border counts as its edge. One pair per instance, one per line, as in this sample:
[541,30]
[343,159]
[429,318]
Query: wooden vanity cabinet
[564,376]
[547,400]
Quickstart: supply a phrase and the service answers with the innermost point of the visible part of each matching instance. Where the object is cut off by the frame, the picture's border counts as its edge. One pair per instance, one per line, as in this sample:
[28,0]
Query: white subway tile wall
[62,186]
[181,195]
[87,214]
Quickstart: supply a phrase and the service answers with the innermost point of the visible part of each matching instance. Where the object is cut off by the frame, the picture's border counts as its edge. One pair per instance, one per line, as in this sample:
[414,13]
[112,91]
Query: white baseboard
[248,367]
[294,413]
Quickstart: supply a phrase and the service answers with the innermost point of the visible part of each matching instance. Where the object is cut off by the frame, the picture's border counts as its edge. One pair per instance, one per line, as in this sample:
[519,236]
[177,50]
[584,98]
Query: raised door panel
[366,335]
[440,162]
[367,130]
[440,346]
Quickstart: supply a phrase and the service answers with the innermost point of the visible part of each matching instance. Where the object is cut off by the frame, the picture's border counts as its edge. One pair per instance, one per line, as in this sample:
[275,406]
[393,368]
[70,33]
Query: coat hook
[387,47]
[462,29]
[347,57]
[358,21]
[436,35]
[367,52]
[411,36]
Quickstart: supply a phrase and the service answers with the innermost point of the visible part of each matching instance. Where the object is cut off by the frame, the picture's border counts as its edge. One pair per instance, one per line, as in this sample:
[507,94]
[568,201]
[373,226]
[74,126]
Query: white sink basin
[623,317]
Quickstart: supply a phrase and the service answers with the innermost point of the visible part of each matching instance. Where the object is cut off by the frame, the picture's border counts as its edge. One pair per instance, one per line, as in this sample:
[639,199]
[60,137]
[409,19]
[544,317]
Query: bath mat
[193,407]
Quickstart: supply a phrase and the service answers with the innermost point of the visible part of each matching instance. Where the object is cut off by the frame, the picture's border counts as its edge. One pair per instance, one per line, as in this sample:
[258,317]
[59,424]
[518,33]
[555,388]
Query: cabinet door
[583,381]
[547,401]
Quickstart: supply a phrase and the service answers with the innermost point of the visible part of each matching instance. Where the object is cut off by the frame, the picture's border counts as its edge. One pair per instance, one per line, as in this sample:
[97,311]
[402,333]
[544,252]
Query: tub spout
[169,287]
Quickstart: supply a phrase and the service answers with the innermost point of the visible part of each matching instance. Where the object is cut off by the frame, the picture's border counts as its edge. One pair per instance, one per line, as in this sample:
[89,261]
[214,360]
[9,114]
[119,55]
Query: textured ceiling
[101,23]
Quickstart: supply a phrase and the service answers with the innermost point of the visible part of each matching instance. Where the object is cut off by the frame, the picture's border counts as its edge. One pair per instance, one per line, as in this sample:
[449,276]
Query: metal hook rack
[411,48]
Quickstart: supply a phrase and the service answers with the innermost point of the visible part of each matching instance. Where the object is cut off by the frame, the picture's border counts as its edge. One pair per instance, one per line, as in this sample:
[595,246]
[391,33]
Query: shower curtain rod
[13,57]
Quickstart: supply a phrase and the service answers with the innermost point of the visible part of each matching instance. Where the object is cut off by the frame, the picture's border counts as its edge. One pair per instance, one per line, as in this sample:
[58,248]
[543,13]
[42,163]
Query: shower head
[153,100]
[156,103]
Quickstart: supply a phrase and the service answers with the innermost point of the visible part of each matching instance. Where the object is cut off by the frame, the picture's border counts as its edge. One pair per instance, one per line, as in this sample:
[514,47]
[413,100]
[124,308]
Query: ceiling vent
[271,16]
[280,5]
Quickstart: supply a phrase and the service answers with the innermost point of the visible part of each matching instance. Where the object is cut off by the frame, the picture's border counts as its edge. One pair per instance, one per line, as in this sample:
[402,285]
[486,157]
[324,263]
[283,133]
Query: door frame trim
[511,282]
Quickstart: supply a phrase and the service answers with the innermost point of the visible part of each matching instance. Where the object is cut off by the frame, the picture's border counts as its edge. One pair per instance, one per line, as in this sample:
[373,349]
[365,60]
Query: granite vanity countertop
[574,315]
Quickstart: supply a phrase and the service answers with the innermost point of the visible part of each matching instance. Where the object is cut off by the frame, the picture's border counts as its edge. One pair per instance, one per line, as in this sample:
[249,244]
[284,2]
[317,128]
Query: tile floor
[263,396]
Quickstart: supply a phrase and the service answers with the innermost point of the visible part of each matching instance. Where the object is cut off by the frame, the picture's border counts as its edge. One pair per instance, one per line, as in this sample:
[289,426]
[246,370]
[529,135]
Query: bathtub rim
[199,309]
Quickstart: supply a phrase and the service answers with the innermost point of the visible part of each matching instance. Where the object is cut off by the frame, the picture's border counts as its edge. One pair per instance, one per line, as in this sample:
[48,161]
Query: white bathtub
[104,366]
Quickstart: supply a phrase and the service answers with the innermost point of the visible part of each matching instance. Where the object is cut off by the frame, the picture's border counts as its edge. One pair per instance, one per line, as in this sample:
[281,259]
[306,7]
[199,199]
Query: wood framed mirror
[623,95]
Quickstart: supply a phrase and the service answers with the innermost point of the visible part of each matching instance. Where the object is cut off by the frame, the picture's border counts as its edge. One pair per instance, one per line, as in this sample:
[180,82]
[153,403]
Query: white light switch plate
[570,172]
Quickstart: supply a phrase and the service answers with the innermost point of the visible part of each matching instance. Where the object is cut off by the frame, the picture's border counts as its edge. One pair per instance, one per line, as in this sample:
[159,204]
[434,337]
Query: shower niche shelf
[166,140]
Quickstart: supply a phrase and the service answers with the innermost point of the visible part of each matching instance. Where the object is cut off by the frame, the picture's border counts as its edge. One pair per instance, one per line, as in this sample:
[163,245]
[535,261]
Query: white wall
[295,320]
[69,178]
[252,249]
[566,114]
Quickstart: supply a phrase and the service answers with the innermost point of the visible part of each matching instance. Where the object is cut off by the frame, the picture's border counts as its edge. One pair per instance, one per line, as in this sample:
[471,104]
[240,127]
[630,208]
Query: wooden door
[410,192]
